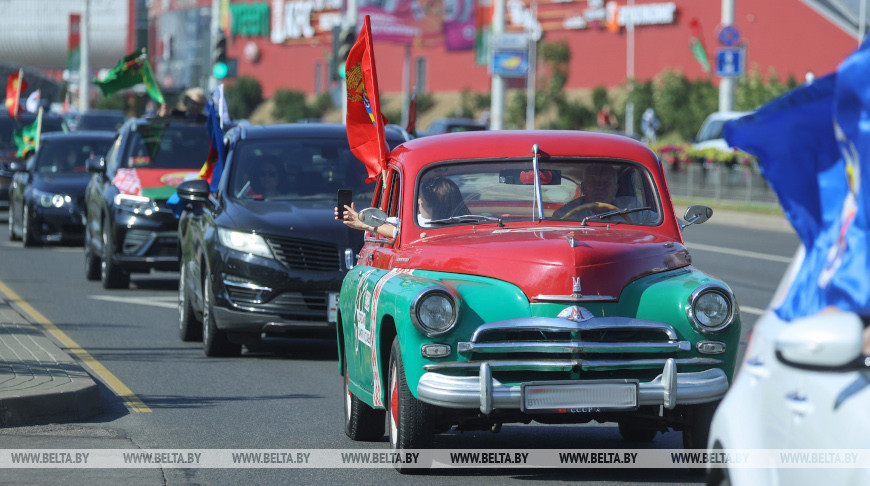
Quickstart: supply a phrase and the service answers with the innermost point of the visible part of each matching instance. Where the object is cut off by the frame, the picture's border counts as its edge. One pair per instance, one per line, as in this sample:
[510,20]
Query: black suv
[128,227]
[264,255]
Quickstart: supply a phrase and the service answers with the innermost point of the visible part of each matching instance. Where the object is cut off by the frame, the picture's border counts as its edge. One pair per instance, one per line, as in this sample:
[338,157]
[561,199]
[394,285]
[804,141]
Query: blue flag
[812,144]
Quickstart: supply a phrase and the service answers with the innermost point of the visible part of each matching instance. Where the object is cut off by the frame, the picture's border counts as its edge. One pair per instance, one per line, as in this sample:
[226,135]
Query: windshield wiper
[615,212]
[465,218]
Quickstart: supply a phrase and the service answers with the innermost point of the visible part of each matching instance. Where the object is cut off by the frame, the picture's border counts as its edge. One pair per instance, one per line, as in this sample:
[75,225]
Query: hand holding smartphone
[345,198]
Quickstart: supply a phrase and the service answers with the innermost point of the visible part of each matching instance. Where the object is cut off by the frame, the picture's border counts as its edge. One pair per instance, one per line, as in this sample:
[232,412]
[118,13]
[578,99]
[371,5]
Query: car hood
[594,262]
[313,220]
[73,183]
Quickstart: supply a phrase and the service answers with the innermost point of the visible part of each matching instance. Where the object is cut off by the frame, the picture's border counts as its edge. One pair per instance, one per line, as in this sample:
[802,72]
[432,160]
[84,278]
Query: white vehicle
[710,133]
[802,385]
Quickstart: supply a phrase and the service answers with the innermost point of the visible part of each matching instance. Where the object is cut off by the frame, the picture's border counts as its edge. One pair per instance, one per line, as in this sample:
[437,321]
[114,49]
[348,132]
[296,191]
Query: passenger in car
[599,187]
[267,178]
[439,198]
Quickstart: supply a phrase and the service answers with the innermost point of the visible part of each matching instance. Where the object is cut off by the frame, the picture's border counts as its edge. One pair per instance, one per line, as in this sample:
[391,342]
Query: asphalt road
[287,395]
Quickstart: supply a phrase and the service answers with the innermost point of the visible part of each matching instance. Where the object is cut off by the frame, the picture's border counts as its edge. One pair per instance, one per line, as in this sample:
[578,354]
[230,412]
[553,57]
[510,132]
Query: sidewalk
[39,382]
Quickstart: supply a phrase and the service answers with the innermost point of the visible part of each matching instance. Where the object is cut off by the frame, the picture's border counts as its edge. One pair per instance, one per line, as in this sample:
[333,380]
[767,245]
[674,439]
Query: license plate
[332,307]
[580,397]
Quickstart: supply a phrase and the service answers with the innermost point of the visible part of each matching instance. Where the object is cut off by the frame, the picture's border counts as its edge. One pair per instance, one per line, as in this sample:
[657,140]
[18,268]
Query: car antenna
[538,199]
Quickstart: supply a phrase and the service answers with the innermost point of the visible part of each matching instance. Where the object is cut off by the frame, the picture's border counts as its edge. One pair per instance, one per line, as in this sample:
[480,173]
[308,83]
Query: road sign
[730,61]
[510,64]
[729,36]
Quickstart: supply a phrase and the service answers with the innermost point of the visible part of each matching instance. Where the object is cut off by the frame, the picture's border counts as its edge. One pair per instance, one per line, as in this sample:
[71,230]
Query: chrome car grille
[602,344]
[301,254]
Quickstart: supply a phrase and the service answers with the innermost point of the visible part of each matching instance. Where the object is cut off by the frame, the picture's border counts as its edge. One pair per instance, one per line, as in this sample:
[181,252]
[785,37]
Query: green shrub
[292,106]
[243,97]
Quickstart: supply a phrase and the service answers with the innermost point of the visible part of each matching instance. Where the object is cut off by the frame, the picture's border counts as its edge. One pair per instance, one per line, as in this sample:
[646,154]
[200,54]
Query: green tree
[600,98]
[243,97]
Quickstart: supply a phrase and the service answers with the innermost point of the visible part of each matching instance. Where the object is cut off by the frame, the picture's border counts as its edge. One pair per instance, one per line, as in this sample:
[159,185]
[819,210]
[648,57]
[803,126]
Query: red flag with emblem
[365,123]
[14,86]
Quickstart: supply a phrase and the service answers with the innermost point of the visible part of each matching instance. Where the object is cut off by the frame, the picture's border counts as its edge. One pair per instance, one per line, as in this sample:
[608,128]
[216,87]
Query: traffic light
[346,40]
[219,69]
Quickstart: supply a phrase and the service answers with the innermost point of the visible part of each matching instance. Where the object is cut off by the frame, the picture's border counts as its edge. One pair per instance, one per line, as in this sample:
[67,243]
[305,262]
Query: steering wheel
[594,205]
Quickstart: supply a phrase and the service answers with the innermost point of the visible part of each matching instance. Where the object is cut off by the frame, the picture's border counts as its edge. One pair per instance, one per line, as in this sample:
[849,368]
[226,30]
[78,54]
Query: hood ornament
[575,313]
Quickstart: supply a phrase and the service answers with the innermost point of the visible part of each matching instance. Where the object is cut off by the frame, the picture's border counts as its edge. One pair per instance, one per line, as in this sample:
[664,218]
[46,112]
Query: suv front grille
[301,254]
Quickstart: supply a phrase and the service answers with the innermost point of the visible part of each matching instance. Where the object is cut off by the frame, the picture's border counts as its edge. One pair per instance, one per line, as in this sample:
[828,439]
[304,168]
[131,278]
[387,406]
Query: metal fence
[737,183]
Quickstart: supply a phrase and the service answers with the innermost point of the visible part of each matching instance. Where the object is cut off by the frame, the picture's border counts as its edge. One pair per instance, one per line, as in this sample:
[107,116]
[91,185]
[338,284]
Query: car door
[20,181]
[95,193]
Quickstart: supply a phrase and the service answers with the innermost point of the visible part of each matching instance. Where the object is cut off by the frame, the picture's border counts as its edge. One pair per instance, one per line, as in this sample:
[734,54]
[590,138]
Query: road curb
[39,382]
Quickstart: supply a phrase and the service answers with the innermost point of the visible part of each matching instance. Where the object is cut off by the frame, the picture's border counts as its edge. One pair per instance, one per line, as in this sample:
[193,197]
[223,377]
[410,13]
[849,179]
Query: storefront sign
[250,19]
[305,20]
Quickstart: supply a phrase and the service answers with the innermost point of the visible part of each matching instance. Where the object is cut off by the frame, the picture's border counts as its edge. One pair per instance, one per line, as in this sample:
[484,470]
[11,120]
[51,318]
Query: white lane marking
[741,253]
[165,302]
[752,310]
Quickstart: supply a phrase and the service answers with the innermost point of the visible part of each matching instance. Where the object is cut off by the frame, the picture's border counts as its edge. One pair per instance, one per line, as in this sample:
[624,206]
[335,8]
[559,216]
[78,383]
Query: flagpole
[38,129]
[18,93]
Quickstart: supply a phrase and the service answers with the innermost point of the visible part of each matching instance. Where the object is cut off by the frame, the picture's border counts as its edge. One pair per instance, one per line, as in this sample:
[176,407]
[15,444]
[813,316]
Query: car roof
[301,130]
[83,134]
[503,144]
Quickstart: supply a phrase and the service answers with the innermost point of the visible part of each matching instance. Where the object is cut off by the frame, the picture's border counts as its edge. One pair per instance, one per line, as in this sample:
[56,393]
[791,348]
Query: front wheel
[696,430]
[189,327]
[214,341]
[409,419]
[361,422]
[112,276]
[26,231]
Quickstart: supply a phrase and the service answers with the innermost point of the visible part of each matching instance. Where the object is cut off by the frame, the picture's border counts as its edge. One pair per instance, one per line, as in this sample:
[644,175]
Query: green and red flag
[27,137]
[15,85]
[130,71]
[696,45]
[365,123]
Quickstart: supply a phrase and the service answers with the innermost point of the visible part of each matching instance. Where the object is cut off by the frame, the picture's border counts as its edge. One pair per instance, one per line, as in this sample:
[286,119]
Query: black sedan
[264,255]
[46,201]
[8,149]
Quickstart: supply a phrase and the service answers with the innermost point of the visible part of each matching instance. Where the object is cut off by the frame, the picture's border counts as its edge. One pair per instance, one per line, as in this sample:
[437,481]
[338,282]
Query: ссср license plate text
[585,396]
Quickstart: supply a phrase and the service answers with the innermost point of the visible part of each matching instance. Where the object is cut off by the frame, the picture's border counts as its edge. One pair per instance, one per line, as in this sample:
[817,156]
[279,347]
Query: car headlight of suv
[245,242]
[435,311]
[711,309]
[50,199]
[136,204]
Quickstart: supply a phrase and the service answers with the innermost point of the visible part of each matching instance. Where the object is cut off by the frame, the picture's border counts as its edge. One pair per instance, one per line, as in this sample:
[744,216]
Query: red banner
[365,123]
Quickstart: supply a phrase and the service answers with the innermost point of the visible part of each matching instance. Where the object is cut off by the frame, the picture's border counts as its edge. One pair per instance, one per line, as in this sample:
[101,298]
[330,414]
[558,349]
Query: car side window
[112,155]
[393,191]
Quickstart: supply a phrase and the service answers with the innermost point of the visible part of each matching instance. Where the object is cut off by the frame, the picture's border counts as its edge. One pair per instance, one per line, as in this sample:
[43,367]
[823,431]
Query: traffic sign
[730,61]
[510,64]
[729,36]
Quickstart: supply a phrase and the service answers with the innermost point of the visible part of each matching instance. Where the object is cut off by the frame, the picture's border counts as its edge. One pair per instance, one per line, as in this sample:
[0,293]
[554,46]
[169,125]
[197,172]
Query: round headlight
[58,200]
[711,309]
[434,312]
[45,200]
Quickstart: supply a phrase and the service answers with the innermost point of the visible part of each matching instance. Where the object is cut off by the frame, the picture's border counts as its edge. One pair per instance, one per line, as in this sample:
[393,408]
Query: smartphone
[345,198]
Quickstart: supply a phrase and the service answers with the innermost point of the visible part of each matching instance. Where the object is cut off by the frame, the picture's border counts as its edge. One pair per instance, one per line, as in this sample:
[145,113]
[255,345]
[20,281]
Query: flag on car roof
[813,145]
[32,102]
[27,137]
[220,102]
[214,164]
[131,70]
[15,85]
[365,123]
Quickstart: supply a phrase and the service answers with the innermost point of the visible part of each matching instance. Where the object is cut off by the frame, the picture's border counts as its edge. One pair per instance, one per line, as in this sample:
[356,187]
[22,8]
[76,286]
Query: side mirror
[373,217]
[96,165]
[195,190]
[696,214]
[829,340]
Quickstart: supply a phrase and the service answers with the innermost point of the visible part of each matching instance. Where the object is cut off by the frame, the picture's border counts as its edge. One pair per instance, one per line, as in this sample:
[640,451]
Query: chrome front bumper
[668,389]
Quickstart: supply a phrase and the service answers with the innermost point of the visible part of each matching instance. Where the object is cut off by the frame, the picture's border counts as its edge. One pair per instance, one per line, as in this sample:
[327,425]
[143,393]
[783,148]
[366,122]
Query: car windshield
[100,121]
[68,154]
[711,130]
[293,169]
[167,146]
[595,191]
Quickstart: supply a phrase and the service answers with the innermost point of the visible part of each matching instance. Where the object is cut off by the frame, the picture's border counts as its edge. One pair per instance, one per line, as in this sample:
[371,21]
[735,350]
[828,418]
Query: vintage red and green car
[555,288]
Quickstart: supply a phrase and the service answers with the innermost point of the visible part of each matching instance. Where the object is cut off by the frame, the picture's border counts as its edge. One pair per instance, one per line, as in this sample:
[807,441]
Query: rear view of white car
[803,384]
